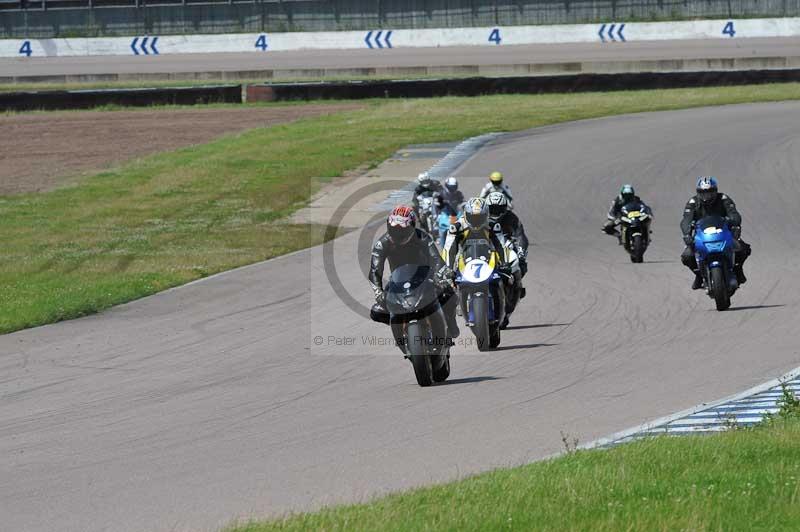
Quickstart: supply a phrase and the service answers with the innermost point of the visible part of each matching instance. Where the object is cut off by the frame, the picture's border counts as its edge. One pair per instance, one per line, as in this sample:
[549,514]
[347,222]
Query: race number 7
[477,268]
[25,49]
[728,29]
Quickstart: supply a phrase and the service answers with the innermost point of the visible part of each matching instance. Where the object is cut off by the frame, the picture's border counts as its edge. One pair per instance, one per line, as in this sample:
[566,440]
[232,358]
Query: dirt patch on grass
[42,151]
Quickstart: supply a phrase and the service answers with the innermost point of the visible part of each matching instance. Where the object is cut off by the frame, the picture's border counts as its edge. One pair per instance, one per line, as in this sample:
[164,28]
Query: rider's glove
[444,278]
[446,273]
[688,240]
[737,232]
[380,297]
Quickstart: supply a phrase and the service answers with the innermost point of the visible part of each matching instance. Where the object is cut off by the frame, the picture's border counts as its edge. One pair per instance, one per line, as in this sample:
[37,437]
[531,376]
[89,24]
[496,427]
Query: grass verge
[170,218]
[743,479]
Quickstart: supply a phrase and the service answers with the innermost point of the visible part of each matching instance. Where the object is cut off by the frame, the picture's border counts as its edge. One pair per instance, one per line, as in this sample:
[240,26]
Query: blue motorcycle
[714,251]
[447,217]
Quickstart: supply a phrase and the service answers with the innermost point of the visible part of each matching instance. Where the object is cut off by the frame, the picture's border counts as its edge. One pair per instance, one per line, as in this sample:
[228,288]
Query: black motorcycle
[634,223]
[418,322]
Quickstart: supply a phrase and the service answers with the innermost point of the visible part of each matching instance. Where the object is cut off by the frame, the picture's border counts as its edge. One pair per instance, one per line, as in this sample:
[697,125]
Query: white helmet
[423,177]
[498,204]
[451,184]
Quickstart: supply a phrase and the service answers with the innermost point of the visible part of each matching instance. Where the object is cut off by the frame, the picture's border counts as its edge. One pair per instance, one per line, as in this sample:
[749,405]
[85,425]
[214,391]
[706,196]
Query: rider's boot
[452,325]
[740,277]
[504,324]
[698,281]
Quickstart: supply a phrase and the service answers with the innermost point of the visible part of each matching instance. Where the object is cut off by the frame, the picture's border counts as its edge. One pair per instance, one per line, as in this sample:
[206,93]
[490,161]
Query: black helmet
[707,189]
[627,193]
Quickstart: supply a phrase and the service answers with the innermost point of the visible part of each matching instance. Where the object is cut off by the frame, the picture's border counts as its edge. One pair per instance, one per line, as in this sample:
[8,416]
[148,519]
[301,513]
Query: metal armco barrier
[48,100]
[22,101]
[513,85]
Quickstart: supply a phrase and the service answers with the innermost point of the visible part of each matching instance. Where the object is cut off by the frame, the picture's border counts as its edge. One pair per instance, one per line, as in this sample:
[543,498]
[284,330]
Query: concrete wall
[265,43]
[341,15]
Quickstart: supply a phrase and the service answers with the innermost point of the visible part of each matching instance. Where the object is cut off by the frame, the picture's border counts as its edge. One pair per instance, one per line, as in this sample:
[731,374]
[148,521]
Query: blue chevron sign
[607,32]
[375,40]
[141,47]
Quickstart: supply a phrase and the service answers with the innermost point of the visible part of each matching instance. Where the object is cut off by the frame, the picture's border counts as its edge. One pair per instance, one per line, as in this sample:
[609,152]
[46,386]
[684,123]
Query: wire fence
[88,18]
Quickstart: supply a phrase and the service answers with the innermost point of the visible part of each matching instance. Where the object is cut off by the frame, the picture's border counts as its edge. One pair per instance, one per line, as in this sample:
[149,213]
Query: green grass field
[170,218]
[745,479]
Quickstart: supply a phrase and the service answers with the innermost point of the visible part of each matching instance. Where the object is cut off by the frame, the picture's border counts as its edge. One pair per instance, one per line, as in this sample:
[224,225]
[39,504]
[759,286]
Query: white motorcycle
[427,221]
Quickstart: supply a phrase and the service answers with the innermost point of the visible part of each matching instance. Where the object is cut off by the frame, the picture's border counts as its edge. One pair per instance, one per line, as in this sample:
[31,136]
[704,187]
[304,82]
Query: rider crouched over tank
[710,202]
[476,227]
[405,244]
[626,195]
[476,219]
[510,226]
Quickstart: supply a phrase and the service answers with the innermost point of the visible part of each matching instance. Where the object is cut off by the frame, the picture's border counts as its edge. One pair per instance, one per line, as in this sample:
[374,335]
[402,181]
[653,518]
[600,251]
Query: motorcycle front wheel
[419,354]
[480,329]
[719,289]
[637,249]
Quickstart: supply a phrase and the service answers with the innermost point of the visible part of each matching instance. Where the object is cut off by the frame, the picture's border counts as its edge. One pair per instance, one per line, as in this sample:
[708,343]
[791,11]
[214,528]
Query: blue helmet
[707,190]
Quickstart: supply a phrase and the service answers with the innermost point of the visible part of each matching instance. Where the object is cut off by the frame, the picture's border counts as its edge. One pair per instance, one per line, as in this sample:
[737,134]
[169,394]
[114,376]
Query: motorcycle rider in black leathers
[404,244]
[496,184]
[510,225]
[476,226]
[626,195]
[710,202]
[426,186]
[476,218]
[450,199]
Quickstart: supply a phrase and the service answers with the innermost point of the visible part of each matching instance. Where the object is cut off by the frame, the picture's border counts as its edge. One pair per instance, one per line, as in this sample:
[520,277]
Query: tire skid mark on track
[201,325]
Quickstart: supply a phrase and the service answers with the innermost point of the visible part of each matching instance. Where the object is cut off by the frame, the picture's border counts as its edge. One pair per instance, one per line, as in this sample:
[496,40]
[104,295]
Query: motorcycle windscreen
[477,248]
[712,228]
[635,207]
[409,290]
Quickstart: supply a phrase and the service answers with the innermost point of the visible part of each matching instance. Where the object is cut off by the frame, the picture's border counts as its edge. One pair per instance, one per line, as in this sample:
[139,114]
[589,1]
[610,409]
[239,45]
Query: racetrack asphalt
[185,410]
[405,57]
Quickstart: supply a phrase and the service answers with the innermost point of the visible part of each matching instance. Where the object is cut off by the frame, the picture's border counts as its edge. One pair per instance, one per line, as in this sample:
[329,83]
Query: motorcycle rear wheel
[441,374]
[494,341]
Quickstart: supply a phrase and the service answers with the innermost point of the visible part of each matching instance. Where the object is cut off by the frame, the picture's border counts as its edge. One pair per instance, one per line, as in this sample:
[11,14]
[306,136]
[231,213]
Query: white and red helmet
[401,224]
